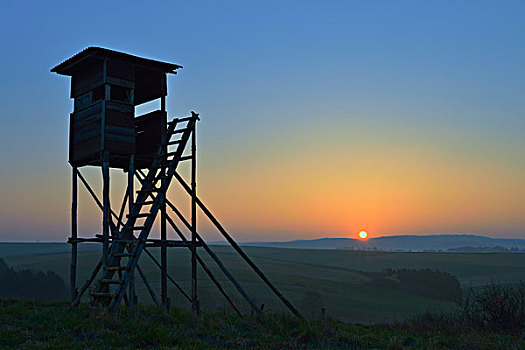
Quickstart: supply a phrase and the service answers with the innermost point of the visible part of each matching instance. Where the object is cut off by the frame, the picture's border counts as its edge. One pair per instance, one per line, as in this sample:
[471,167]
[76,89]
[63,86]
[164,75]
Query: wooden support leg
[163,232]
[195,301]
[131,179]
[163,256]
[106,209]
[74,235]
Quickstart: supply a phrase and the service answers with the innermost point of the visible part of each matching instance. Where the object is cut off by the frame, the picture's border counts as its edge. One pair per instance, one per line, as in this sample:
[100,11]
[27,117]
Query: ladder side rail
[114,230]
[148,184]
[159,199]
[127,230]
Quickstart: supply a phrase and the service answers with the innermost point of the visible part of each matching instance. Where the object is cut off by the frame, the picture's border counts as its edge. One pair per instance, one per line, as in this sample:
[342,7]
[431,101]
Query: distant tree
[31,284]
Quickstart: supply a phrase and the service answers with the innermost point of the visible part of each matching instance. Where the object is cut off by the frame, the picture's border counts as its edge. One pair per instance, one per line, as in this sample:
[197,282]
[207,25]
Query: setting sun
[363,234]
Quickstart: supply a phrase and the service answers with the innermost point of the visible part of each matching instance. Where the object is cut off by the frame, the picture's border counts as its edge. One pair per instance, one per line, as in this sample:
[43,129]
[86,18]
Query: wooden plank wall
[103,120]
[119,129]
[85,132]
[148,128]
[87,80]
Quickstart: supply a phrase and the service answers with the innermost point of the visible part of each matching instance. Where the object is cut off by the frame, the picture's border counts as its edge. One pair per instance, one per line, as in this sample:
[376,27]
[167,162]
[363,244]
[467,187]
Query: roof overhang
[93,54]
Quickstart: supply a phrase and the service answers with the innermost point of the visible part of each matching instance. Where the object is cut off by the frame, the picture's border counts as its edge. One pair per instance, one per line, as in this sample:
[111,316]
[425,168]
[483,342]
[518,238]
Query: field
[311,279]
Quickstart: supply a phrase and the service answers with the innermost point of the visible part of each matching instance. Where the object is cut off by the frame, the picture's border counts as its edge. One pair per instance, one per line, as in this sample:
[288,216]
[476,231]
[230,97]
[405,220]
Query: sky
[318,118]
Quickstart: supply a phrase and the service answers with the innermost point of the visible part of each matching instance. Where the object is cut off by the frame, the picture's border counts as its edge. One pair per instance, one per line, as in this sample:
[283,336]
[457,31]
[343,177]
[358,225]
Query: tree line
[423,282]
[31,284]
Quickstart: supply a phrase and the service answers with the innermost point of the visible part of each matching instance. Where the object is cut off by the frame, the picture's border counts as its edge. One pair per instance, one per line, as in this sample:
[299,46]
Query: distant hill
[404,243]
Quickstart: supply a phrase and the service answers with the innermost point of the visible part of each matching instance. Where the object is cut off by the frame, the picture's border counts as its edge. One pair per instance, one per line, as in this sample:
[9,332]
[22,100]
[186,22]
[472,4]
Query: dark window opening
[121,94]
[99,93]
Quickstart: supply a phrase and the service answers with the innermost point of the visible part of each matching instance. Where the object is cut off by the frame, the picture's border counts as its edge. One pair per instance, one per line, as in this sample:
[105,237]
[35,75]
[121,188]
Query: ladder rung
[108,281]
[174,121]
[180,159]
[155,189]
[171,153]
[126,241]
[122,255]
[176,142]
[170,243]
[103,295]
[180,131]
[185,119]
[116,268]
[139,215]
[145,203]
[139,228]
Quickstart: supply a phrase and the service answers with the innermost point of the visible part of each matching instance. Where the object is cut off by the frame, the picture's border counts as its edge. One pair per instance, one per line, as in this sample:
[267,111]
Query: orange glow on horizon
[386,187]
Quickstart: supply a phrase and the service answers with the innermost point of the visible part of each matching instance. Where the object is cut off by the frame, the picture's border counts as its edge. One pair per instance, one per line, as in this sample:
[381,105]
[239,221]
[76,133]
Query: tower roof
[93,54]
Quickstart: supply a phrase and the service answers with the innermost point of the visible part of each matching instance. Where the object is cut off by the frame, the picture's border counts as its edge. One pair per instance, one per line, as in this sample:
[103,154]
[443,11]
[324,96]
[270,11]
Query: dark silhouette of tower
[106,86]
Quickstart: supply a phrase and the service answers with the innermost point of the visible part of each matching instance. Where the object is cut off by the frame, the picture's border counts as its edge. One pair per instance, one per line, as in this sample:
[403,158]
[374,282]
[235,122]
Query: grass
[54,325]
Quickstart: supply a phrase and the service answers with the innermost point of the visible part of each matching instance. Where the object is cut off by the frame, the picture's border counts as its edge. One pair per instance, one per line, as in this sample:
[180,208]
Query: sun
[363,234]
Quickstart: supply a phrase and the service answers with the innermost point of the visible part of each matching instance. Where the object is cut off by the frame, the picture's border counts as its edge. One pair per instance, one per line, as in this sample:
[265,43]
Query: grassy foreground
[54,325]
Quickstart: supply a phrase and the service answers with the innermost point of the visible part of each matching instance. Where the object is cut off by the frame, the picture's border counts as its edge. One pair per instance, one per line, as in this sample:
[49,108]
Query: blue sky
[302,102]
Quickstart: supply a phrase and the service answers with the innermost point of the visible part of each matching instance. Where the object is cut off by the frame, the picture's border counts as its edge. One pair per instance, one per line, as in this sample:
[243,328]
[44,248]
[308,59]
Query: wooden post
[105,175]
[195,301]
[131,178]
[163,228]
[106,208]
[74,235]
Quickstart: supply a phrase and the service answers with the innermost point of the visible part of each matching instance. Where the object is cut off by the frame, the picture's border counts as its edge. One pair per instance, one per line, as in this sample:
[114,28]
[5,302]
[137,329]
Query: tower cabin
[106,86]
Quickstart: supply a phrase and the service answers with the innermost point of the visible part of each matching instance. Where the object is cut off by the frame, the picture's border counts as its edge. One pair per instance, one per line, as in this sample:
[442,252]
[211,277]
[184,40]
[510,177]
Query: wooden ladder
[125,244]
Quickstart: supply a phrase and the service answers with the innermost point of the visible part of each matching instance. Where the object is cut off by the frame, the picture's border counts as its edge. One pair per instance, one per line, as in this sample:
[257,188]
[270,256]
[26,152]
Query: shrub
[490,309]
[496,307]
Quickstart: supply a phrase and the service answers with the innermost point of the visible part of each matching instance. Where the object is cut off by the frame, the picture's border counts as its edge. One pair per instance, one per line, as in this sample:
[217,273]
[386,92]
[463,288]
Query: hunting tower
[106,86]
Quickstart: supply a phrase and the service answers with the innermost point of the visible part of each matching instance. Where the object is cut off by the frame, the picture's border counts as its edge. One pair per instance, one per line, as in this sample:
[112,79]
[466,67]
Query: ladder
[124,244]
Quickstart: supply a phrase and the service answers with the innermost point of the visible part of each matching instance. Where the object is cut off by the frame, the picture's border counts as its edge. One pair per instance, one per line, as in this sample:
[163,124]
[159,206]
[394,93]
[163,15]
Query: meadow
[55,325]
[311,279]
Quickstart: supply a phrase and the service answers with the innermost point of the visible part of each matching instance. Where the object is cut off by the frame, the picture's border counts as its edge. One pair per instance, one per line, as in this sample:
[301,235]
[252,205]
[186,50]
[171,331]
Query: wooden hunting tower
[106,86]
